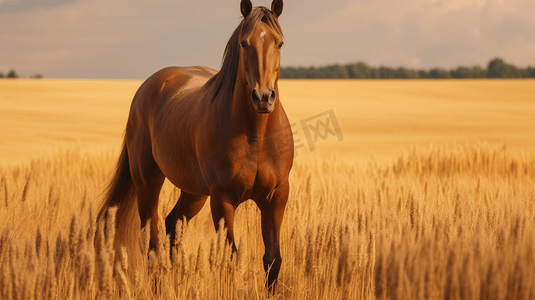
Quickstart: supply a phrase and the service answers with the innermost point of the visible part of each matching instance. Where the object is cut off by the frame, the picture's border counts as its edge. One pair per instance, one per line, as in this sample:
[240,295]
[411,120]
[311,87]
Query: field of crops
[429,194]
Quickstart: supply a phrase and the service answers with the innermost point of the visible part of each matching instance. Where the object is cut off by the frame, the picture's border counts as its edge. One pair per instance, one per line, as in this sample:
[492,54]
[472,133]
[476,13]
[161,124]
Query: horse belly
[190,184]
[184,173]
[177,160]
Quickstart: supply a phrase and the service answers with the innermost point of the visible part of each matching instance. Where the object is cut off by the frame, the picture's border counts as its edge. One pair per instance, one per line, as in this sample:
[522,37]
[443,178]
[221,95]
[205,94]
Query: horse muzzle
[264,103]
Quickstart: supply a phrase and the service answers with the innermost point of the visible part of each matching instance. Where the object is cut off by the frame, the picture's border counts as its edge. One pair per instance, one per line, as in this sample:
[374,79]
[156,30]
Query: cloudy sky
[131,39]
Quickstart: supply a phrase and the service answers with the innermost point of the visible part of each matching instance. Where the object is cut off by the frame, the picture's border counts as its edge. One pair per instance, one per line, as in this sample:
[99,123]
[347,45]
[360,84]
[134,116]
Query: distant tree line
[10,74]
[496,68]
[13,74]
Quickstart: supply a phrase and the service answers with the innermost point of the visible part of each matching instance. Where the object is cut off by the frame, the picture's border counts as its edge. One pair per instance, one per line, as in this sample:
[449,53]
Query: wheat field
[430,195]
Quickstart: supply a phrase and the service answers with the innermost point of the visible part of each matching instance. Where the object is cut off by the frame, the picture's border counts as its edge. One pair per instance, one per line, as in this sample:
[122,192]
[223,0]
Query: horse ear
[276,7]
[246,7]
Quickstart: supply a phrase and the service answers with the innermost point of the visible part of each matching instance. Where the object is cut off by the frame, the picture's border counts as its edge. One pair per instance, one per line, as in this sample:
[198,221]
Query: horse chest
[244,175]
[267,179]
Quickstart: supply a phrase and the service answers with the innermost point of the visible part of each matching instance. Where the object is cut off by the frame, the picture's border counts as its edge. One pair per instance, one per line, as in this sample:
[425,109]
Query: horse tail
[120,191]
[120,194]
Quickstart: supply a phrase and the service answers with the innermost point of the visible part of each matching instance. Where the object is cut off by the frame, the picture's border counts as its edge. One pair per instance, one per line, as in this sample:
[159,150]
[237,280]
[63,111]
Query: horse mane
[223,82]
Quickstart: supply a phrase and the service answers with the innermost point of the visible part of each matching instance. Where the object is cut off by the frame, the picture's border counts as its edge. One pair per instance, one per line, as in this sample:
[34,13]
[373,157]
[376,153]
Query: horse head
[261,41]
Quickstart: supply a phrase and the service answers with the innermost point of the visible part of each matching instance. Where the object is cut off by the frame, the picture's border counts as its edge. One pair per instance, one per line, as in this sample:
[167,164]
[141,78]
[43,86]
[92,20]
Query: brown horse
[219,134]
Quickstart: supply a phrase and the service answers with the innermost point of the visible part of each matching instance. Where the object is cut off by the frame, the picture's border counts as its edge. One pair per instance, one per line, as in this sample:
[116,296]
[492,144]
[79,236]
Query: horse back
[154,92]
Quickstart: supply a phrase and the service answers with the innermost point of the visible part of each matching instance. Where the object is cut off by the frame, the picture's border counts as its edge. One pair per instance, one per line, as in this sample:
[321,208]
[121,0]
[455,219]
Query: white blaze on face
[262,34]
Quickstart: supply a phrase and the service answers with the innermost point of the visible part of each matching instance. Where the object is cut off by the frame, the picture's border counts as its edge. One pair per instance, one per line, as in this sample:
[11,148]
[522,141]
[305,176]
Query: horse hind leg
[187,206]
[148,196]
[148,179]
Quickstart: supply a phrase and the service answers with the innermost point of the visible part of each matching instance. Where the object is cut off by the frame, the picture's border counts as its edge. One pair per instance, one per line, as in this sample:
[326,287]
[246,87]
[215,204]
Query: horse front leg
[272,214]
[222,206]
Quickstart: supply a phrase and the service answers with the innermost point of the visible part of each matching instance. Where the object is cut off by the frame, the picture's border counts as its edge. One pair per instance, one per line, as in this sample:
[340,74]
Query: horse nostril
[255,96]
[272,96]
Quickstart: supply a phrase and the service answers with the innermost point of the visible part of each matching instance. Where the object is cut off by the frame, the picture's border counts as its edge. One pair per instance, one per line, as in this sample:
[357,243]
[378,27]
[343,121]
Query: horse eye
[243,44]
[280,45]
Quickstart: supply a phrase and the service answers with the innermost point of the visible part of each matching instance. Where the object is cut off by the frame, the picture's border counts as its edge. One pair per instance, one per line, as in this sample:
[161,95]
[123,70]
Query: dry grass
[448,223]
[430,222]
